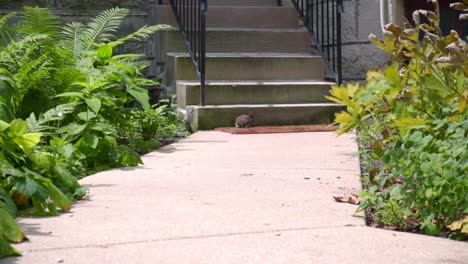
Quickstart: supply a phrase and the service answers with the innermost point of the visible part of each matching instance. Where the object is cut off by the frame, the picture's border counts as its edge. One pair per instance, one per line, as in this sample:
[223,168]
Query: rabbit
[245,120]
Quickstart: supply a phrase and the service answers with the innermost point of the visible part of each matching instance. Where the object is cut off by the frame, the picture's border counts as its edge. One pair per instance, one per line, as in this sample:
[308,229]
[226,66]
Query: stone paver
[221,198]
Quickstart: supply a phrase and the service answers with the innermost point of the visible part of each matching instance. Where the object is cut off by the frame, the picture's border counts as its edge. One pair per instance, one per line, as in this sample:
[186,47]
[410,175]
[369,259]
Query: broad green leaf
[462,82]
[140,95]
[43,160]
[411,34]
[7,203]
[346,122]
[11,231]
[70,94]
[126,68]
[409,122]
[58,197]
[86,116]
[433,83]
[389,41]
[17,127]
[94,104]
[28,141]
[462,102]
[26,186]
[374,75]
[339,95]
[429,193]
[392,74]
[91,140]
[5,248]
[72,129]
[3,125]
[104,52]
[373,38]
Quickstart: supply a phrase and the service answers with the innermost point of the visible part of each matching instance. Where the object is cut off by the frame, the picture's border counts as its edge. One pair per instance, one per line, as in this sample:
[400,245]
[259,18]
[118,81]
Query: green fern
[8,31]
[4,18]
[36,20]
[72,36]
[140,35]
[104,26]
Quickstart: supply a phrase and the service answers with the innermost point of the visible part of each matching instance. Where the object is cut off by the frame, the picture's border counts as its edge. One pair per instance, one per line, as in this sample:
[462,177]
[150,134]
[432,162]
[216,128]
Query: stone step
[238,2]
[240,40]
[253,92]
[235,16]
[210,117]
[245,66]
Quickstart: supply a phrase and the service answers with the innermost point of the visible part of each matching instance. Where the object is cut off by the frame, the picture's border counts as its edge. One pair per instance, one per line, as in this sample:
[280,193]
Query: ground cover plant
[69,107]
[412,125]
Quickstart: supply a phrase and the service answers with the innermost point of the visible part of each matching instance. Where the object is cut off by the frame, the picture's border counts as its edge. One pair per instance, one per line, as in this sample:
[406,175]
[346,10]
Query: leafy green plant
[412,117]
[63,93]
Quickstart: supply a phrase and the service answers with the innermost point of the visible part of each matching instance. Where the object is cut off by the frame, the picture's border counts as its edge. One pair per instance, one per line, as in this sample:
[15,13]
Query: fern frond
[42,124]
[25,42]
[72,35]
[9,33]
[104,26]
[36,20]
[4,18]
[141,34]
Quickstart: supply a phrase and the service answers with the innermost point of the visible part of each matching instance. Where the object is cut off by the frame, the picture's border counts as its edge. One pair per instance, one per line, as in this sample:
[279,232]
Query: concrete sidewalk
[221,198]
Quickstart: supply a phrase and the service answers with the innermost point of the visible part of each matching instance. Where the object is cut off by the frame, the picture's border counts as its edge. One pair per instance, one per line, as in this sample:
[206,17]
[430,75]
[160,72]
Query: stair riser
[245,68]
[235,17]
[189,94]
[240,41]
[237,2]
[205,118]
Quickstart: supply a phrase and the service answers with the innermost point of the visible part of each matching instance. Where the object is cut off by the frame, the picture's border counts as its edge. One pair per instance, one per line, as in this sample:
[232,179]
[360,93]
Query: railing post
[191,18]
[339,11]
[204,7]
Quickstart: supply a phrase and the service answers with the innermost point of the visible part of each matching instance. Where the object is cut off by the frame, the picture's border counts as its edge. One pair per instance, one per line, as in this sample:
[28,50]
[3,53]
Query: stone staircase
[258,60]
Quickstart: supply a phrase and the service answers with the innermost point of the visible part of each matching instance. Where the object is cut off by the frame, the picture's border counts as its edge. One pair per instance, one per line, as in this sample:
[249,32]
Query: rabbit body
[245,120]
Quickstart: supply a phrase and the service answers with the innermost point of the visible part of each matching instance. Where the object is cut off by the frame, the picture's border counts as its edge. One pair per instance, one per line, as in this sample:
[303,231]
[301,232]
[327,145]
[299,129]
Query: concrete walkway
[221,198]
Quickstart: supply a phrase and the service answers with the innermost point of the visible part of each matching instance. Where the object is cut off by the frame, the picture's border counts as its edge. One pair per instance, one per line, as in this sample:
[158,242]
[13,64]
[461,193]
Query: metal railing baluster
[191,19]
[323,20]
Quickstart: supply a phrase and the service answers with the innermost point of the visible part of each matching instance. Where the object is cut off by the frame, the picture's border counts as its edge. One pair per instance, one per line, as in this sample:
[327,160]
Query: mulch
[277,129]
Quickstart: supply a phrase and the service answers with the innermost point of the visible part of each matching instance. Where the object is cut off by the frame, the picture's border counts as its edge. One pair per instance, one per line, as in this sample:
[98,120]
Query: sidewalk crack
[194,237]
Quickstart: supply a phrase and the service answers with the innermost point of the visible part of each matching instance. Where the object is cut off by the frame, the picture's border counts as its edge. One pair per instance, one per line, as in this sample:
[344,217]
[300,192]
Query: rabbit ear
[251,114]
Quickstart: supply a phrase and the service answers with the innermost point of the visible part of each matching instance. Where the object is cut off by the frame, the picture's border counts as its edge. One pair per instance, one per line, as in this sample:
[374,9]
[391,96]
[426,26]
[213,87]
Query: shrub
[62,95]
[412,119]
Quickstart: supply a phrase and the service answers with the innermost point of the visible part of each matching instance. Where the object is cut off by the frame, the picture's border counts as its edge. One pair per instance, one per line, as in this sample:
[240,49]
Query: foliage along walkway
[220,198]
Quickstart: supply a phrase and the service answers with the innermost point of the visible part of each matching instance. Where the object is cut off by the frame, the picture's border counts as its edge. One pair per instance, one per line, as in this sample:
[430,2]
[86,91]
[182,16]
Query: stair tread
[265,105]
[211,7]
[259,82]
[249,29]
[279,30]
[249,54]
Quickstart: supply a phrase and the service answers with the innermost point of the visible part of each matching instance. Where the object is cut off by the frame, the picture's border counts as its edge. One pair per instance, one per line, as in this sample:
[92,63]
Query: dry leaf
[352,199]
[461,225]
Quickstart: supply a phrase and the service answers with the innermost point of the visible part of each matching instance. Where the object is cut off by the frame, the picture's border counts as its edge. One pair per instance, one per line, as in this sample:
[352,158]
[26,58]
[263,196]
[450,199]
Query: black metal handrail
[323,20]
[191,18]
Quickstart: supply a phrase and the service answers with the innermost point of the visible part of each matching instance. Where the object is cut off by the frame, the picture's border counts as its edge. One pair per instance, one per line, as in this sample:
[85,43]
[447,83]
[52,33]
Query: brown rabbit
[245,120]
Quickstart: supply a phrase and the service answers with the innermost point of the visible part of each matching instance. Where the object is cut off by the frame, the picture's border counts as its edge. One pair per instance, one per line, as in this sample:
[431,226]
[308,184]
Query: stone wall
[361,17]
